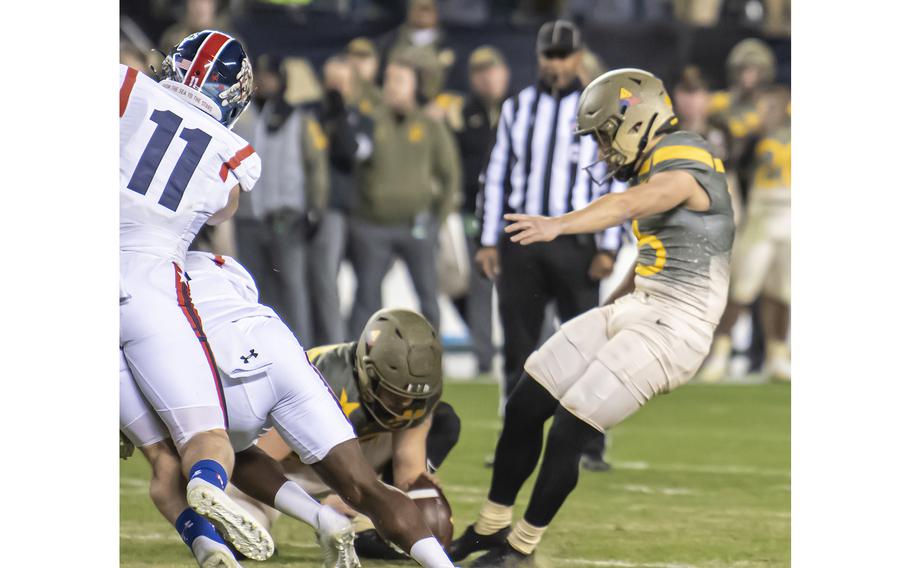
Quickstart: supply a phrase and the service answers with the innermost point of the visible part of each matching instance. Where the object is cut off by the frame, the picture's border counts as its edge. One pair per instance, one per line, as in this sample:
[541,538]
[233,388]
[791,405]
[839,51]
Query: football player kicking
[605,364]
[270,383]
[403,433]
[182,167]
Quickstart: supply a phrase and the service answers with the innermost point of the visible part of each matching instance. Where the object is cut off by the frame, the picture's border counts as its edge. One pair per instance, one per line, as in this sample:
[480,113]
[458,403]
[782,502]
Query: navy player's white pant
[165,347]
[279,389]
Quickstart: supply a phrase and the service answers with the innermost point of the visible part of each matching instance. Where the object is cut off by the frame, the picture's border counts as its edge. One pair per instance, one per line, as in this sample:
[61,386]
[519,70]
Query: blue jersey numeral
[196,142]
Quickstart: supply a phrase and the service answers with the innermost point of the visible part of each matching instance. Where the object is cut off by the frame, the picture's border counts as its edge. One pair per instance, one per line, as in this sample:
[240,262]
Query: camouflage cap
[362,47]
[483,57]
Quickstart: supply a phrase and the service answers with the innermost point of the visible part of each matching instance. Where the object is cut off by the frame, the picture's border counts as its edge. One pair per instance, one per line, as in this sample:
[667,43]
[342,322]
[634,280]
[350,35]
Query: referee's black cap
[558,38]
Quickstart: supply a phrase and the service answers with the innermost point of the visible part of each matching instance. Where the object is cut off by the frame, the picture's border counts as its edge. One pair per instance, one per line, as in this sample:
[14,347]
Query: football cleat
[471,542]
[234,523]
[593,462]
[220,559]
[504,556]
[336,538]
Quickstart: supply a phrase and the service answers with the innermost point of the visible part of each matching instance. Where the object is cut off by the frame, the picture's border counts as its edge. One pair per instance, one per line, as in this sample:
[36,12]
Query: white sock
[203,546]
[429,554]
[292,500]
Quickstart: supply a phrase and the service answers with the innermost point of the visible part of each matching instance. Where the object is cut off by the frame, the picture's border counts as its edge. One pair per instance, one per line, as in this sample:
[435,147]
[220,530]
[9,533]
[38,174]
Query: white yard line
[619,563]
[658,490]
[711,469]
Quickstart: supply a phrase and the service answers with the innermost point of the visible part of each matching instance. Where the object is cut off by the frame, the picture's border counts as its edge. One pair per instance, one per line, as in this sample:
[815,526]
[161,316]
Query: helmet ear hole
[635,128]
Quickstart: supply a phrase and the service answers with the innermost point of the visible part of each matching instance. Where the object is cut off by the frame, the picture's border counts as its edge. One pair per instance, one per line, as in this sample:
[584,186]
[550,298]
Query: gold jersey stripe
[680,153]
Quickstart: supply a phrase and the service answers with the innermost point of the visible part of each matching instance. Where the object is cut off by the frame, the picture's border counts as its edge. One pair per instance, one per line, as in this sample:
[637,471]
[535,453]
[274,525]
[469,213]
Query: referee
[538,167]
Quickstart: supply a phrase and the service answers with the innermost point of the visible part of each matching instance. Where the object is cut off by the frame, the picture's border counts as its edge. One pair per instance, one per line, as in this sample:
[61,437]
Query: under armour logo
[252,355]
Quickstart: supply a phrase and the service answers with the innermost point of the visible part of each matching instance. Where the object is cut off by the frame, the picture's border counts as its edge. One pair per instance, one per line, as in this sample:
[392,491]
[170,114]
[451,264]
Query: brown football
[435,508]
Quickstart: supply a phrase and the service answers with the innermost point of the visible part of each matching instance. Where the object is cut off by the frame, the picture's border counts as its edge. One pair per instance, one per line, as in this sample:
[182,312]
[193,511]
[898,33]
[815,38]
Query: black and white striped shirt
[537,165]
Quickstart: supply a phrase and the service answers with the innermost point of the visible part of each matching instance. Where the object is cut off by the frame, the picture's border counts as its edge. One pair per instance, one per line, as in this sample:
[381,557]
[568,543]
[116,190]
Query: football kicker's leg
[557,478]
[528,408]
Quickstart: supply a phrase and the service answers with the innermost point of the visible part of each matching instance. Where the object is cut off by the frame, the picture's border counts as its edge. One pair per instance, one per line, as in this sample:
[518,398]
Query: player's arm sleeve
[243,167]
[314,146]
[447,171]
[409,454]
[490,206]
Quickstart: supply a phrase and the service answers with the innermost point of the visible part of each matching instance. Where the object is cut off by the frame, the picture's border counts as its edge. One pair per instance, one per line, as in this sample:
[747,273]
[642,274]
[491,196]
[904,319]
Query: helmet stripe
[202,63]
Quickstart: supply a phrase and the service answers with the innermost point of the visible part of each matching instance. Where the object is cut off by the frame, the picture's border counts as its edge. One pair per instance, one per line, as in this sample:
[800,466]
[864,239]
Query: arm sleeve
[447,170]
[490,204]
[243,167]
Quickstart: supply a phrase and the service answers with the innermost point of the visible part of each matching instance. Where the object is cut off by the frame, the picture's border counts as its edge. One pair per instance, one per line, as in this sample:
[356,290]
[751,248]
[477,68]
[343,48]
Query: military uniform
[761,259]
[606,363]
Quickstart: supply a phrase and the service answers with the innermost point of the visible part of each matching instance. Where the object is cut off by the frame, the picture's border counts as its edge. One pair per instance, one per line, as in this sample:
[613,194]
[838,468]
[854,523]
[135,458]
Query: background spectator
[199,15]
[364,58]
[489,77]
[423,38]
[272,223]
[410,182]
[349,134]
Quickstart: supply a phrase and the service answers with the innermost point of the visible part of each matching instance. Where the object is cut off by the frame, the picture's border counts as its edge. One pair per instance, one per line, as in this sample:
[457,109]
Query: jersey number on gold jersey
[196,142]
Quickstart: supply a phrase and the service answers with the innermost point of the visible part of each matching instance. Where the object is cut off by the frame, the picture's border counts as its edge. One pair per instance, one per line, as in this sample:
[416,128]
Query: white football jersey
[222,290]
[177,168]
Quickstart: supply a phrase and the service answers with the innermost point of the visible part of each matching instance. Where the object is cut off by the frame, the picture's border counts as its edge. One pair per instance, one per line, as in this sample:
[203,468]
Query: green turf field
[701,479]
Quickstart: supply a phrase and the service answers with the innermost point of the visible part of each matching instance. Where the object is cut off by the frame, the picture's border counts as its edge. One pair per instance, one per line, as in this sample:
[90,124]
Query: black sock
[559,471]
[528,408]
[443,434]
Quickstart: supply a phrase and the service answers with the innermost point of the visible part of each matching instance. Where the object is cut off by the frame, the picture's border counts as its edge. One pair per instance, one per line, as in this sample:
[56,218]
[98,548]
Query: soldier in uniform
[750,69]
[761,258]
[403,433]
[605,364]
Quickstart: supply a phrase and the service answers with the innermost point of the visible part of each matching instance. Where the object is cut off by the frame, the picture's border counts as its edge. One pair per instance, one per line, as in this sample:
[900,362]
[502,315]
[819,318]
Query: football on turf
[435,508]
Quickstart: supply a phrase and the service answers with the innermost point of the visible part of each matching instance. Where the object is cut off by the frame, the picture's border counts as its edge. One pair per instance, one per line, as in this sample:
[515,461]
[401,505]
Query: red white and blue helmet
[211,71]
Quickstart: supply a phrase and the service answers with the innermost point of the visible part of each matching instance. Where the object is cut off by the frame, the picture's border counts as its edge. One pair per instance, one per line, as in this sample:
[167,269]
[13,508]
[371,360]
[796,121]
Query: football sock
[429,553]
[559,469]
[293,501]
[493,517]
[528,408]
[723,345]
[210,471]
[778,350]
[191,525]
[525,537]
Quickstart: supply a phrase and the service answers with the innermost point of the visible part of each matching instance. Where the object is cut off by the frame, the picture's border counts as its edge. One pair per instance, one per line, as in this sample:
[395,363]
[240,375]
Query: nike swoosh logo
[658,322]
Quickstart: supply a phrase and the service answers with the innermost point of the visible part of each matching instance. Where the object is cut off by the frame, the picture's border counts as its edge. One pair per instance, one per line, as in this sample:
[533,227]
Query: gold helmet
[755,53]
[624,109]
[399,368]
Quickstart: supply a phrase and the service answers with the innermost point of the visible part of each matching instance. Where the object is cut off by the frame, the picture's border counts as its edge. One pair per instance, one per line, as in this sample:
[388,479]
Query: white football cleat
[336,538]
[233,521]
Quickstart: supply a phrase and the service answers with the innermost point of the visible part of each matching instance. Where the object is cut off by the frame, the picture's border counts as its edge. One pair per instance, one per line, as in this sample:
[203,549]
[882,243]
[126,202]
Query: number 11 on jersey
[197,141]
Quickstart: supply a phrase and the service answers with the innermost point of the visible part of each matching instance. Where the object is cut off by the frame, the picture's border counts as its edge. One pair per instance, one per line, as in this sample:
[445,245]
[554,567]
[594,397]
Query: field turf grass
[701,479]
